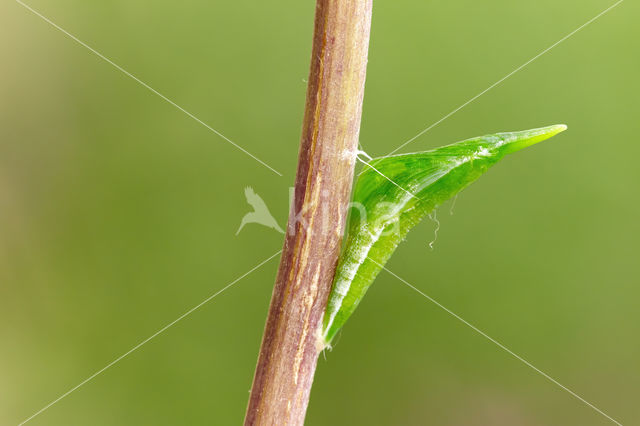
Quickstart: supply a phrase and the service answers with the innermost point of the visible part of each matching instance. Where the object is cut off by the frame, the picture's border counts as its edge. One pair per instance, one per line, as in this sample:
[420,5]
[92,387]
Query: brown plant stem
[291,342]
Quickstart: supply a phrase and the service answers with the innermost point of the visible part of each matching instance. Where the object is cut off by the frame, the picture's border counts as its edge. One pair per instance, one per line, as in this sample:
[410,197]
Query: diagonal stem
[292,338]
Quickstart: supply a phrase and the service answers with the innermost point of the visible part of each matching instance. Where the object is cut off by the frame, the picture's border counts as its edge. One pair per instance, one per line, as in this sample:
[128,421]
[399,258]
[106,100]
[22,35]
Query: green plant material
[395,193]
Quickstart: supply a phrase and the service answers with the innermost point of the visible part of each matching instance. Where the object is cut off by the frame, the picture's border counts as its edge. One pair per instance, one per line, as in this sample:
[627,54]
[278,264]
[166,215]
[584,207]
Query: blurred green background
[118,213]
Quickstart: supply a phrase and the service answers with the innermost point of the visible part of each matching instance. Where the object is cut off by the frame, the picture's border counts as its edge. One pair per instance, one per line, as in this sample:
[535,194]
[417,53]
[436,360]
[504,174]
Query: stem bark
[292,337]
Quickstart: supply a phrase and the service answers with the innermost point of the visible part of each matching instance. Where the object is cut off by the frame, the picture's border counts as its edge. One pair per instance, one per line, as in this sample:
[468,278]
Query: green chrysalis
[394,193]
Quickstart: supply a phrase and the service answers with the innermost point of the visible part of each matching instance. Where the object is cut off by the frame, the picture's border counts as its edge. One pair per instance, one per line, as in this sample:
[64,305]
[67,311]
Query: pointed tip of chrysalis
[515,141]
[555,129]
